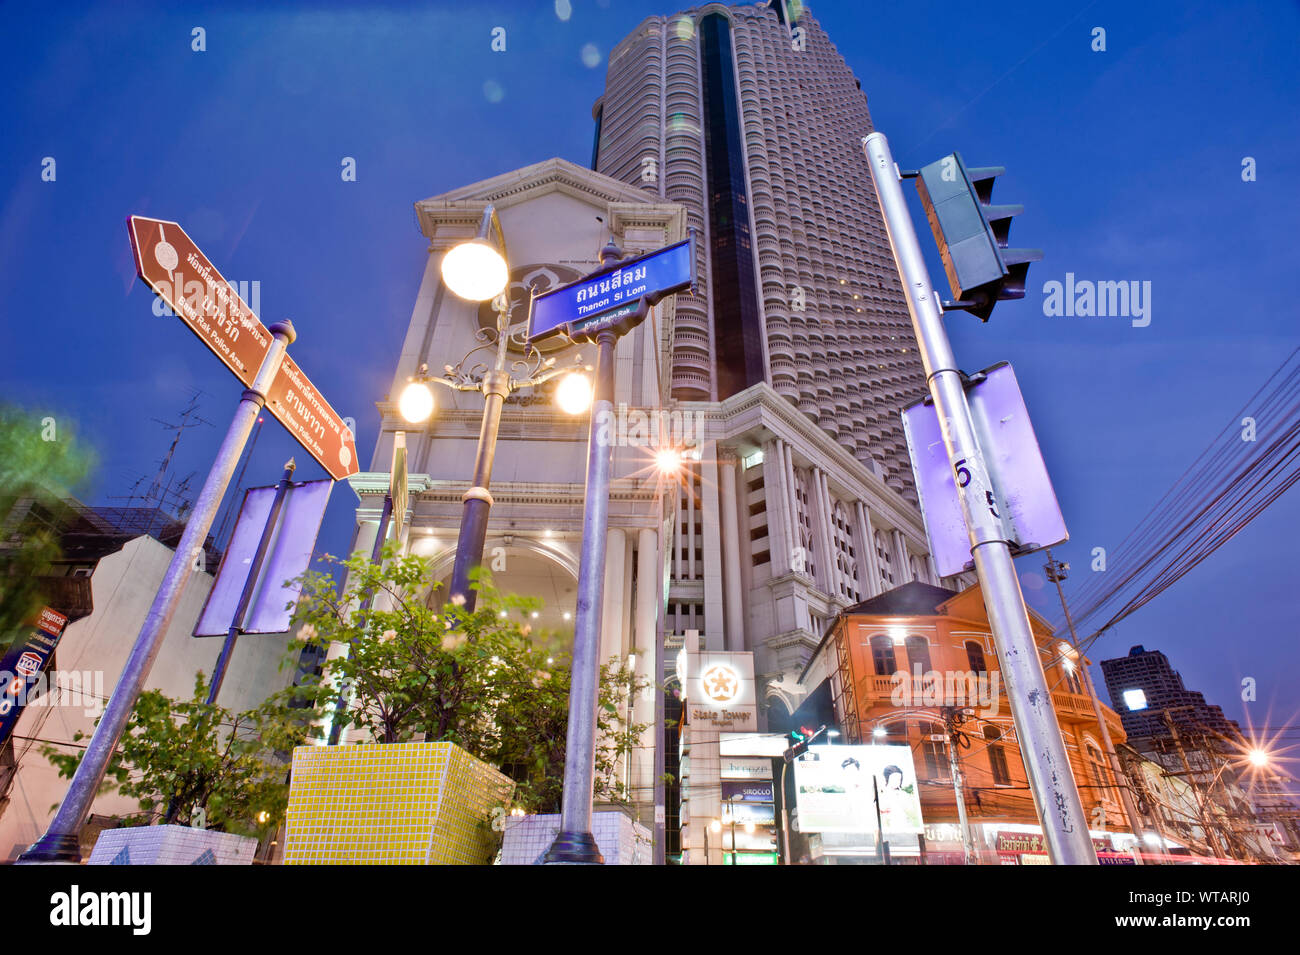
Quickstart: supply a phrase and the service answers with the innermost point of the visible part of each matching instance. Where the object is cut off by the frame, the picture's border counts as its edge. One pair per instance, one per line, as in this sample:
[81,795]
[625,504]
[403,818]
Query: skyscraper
[1143,685]
[749,118]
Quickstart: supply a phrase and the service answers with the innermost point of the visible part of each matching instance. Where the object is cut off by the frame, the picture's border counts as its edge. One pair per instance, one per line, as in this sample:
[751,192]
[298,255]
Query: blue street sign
[620,289]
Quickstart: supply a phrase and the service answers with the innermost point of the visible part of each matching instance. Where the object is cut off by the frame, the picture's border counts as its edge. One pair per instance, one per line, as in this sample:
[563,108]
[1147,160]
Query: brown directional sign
[172,265]
[294,400]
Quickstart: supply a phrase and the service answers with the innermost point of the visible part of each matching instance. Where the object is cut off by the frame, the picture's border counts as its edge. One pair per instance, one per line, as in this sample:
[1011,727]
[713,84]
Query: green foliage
[417,669]
[40,461]
[191,755]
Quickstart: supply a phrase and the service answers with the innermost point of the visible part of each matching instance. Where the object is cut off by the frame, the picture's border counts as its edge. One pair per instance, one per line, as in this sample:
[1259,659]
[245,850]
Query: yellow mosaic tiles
[391,803]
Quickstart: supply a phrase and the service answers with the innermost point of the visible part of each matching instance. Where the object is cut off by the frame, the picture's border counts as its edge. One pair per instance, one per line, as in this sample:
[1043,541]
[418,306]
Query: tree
[483,679]
[202,761]
[40,462]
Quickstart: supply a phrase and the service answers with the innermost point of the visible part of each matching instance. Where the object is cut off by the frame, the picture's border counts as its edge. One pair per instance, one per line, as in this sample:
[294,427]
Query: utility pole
[952,718]
[1210,839]
[1056,572]
[1056,797]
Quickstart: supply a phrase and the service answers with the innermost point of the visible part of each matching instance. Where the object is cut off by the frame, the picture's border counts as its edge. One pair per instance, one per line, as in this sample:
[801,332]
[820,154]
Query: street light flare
[416,402]
[574,393]
[475,270]
[668,460]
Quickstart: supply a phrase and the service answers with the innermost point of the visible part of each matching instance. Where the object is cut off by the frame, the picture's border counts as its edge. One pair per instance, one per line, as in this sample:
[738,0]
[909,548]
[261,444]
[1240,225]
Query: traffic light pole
[1051,779]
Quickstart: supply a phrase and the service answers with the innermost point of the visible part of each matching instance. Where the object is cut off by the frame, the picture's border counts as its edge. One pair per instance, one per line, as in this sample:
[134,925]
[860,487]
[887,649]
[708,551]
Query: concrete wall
[123,585]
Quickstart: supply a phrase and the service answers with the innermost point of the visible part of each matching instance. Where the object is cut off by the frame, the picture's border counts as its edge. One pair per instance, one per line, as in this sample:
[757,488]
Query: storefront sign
[745,767]
[746,791]
[23,665]
[720,691]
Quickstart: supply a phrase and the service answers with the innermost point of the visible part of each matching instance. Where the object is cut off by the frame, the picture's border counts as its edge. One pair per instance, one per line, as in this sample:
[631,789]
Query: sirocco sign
[169,262]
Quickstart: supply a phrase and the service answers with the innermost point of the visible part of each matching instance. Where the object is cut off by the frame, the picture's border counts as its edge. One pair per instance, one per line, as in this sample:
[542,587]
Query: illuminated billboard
[835,793]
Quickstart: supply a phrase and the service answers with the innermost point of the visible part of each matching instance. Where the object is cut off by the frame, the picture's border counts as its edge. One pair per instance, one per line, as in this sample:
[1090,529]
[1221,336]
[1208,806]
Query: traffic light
[800,740]
[972,234]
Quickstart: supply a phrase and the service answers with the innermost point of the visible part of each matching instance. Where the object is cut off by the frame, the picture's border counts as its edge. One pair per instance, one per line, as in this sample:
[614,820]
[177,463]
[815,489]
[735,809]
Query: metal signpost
[1030,516]
[173,266]
[601,307]
[1051,779]
[257,584]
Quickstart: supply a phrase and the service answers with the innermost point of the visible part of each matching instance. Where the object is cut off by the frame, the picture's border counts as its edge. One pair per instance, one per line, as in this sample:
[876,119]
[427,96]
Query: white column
[611,629]
[869,565]
[934,571]
[901,558]
[792,498]
[822,530]
[731,555]
[778,492]
[690,520]
[625,645]
[712,534]
[648,569]
[679,530]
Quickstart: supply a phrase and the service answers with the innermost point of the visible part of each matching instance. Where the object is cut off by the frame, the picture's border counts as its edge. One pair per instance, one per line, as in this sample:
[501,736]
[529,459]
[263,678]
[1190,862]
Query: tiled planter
[171,845]
[621,840]
[392,803]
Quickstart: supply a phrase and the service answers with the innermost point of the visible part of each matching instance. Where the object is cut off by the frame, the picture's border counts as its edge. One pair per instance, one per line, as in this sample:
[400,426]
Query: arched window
[997,756]
[975,656]
[882,655]
[918,651]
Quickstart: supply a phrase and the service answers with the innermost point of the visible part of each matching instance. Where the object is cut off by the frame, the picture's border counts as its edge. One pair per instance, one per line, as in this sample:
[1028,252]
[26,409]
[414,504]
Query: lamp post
[478,270]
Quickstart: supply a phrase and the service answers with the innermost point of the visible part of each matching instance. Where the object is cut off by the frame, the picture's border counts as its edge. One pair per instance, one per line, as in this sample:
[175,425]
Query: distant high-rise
[1143,685]
[749,118]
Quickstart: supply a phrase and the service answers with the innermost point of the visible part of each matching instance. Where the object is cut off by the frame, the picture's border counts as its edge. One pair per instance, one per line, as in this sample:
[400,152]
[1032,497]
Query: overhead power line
[1230,484]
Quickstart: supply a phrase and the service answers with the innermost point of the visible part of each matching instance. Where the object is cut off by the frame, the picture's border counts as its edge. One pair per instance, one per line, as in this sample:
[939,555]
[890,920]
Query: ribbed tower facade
[750,119]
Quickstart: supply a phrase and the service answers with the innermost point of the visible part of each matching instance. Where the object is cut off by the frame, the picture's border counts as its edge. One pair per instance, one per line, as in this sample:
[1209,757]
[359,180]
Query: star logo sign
[721,683]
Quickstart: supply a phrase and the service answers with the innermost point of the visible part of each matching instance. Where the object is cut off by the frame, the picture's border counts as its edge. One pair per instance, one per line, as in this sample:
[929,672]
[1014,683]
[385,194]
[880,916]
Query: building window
[1097,767]
[804,514]
[933,751]
[918,652]
[975,656]
[997,757]
[846,563]
[882,655]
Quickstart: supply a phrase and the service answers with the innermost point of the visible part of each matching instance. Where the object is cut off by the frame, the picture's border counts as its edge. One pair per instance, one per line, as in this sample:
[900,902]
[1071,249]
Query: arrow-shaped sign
[180,274]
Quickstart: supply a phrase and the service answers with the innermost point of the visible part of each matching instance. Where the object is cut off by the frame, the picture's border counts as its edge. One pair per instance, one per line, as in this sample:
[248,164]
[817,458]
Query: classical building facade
[782,375]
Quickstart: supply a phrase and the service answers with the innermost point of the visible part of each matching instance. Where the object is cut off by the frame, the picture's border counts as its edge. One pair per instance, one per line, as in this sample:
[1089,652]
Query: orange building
[899,663]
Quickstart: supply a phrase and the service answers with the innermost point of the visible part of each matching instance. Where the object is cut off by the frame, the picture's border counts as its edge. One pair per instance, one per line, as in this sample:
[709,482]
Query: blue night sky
[1128,162]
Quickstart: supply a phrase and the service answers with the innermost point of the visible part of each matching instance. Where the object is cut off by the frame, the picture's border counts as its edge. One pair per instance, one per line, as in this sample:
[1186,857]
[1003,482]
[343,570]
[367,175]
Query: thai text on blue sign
[650,277]
[23,664]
